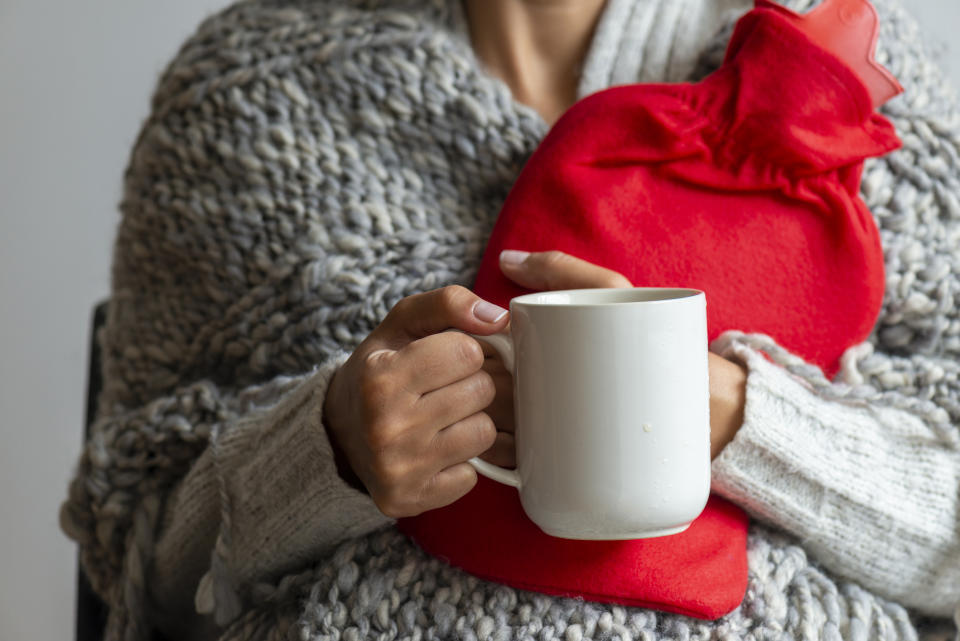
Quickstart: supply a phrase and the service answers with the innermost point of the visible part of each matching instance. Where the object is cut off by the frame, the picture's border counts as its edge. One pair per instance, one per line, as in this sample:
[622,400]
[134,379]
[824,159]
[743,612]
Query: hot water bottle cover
[744,185]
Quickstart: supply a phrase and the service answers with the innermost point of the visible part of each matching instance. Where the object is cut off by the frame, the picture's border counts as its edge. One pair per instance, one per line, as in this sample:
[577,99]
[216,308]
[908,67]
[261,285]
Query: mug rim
[554,298]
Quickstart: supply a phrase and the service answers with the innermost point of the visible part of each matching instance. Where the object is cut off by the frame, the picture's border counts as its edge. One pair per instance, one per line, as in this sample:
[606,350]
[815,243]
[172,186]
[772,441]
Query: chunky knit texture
[308,163]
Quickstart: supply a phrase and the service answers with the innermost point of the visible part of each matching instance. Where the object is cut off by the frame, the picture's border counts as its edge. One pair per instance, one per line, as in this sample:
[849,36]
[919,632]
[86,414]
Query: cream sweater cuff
[870,490]
[283,503]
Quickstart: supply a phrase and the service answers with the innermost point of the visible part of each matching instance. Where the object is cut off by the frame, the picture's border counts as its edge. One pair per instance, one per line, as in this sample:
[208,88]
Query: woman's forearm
[267,496]
[871,487]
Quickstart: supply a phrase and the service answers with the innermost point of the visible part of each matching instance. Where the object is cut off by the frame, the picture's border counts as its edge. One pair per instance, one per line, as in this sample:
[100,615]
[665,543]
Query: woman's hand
[556,270]
[406,410]
[728,395]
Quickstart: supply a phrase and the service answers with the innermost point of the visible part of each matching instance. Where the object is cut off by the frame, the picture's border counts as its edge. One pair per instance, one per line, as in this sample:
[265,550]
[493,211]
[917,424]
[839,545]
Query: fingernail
[513,256]
[488,312]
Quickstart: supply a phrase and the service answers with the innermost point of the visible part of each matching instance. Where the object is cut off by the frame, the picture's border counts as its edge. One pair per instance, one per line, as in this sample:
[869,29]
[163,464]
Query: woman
[310,166]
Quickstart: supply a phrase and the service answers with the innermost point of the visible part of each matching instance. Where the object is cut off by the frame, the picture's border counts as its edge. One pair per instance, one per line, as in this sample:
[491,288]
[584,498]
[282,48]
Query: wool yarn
[305,165]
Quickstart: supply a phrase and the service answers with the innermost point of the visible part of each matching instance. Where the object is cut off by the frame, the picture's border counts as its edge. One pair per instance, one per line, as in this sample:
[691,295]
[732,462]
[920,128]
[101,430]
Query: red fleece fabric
[745,186]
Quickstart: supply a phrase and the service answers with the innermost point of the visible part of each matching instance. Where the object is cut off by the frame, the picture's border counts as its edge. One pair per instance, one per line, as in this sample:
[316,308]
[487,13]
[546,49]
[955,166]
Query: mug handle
[503,345]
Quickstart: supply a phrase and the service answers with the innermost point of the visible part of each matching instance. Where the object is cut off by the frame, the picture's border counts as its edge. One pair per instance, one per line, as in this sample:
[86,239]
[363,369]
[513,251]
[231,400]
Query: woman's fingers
[469,437]
[503,451]
[431,312]
[501,409]
[553,270]
[456,401]
[446,486]
[435,361]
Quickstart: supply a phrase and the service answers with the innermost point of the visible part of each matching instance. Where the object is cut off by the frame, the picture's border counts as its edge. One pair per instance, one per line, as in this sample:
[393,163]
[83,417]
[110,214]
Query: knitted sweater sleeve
[865,470]
[262,498]
[868,479]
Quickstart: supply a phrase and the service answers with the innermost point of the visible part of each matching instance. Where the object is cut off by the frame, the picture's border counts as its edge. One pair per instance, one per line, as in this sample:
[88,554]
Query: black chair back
[91,611]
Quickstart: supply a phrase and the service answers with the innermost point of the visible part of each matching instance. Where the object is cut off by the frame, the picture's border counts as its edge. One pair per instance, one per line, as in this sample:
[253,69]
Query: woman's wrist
[344,468]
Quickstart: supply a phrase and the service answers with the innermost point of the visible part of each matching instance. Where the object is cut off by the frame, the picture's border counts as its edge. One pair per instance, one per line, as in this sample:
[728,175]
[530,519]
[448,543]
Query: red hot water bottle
[745,186]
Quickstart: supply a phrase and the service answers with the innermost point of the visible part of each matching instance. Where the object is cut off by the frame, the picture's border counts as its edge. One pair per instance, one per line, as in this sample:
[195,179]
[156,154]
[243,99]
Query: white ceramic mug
[612,402]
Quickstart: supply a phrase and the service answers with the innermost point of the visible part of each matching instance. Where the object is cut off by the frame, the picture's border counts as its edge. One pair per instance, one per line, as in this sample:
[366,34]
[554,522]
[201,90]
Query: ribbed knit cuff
[765,467]
[284,504]
[864,486]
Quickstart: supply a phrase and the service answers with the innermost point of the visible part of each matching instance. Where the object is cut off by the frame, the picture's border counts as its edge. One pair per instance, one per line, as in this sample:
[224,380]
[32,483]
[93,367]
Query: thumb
[441,309]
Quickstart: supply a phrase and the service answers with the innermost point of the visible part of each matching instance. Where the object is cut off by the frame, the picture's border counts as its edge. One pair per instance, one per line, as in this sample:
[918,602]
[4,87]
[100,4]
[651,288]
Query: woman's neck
[535,46]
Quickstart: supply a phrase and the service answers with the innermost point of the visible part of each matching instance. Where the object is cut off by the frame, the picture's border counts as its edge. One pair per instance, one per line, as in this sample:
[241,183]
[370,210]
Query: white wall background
[74,83]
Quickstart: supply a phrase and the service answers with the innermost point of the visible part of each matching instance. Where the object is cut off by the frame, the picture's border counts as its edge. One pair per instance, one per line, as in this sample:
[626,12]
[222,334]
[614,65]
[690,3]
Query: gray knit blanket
[305,165]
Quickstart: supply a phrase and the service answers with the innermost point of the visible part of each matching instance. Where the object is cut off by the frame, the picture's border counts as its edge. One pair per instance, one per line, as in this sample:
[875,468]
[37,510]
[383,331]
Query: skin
[413,402]
[536,47]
